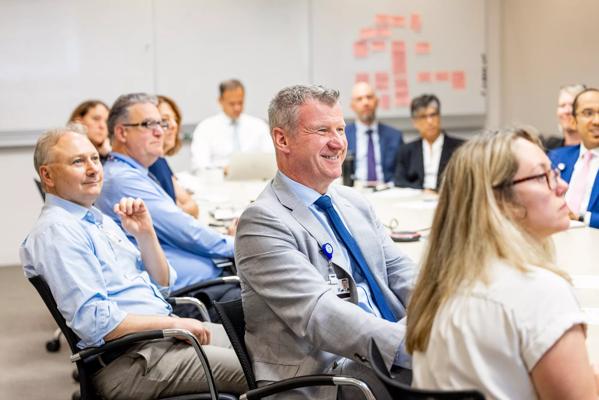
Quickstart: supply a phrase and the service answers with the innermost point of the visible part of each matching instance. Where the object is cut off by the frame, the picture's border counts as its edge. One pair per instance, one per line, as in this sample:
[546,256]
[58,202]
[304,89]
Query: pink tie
[580,187]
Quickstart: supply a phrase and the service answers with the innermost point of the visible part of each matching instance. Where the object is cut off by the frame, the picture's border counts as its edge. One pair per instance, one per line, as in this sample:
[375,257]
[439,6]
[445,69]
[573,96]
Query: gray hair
[120,109]
[284,108]
[47,140]
[572,90]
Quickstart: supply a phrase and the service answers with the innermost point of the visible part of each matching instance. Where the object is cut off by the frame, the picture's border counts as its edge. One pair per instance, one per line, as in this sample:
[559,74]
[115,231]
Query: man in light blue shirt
[105,287]
[136,132]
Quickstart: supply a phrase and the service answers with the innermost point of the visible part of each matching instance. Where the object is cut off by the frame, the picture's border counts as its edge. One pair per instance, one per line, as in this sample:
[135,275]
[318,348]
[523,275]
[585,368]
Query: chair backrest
[40,188]
[86,388]
[232,318]
[401,391]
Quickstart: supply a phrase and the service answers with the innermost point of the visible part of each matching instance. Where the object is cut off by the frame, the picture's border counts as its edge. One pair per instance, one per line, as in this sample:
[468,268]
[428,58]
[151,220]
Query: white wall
[545,44]
[533,47]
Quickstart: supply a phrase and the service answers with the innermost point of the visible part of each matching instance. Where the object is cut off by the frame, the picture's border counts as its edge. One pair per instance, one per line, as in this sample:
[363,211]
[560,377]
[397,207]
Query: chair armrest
[202,285]
[307,381]
[152,335]
[173,301]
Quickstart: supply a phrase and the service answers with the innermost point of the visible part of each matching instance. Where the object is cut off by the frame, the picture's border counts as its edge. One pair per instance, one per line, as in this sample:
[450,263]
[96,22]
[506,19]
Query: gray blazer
[295,325]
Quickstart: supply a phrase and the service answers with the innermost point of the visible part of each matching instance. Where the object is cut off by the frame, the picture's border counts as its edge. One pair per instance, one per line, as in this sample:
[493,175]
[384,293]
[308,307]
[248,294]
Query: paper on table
[397,193]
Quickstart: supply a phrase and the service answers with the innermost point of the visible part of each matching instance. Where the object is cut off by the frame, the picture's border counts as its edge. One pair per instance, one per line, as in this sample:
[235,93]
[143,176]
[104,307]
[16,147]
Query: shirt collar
[362,127]
[583,150]
[128,160]
[305,194]
[91,214]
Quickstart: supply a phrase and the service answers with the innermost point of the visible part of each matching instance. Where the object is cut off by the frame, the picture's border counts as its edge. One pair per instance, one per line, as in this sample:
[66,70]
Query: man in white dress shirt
[230,131]
[420,164]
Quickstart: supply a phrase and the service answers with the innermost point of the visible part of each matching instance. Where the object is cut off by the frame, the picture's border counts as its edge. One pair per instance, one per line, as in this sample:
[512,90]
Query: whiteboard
[403,48]
[57,53]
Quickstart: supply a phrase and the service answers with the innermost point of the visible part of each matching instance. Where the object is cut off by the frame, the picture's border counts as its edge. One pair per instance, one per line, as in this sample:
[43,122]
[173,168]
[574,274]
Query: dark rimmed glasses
[151,124]
[551,177]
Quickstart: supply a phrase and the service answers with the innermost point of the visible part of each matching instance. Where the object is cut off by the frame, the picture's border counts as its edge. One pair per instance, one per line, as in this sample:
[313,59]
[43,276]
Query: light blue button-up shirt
[188,244]
[95,274]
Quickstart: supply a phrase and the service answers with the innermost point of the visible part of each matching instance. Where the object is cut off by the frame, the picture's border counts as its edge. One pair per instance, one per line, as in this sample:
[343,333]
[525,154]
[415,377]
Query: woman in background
[170,113]
[93,114]
[490,310]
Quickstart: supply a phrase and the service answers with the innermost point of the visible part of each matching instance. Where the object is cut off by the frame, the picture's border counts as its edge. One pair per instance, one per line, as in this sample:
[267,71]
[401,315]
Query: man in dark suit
[579,164]
[420,164]
[373,145]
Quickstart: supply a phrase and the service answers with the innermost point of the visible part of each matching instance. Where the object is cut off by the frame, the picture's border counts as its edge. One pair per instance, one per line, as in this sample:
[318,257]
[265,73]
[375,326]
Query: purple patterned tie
[371,174]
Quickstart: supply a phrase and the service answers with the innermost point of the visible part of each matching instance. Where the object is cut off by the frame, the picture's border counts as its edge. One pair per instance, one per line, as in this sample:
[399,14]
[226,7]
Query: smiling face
[546,209]
[588,125]
[74,171]
[314,153]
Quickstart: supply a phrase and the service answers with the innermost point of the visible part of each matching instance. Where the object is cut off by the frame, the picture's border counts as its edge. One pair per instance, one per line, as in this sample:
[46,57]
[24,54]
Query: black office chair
[232,318]
[38,184]
[399,390]
[202,291]
[84,359]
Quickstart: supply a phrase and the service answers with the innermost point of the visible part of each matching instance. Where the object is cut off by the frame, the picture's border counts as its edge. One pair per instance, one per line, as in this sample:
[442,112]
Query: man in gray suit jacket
[308,308]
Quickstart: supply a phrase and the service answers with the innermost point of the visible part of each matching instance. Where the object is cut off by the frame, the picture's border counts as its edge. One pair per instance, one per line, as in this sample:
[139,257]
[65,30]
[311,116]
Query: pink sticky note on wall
[381,80]
[384,101]
[458,80]
[377,46]
[362,77]
[367,33]
[398,21]
[423,47]
[442,76]
[423,77]
[415,22]
[360,49]
[382,19]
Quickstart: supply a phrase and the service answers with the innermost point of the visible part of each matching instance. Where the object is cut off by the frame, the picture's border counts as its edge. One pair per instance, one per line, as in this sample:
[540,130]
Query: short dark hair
[229,84]
[424,101]
[575,102]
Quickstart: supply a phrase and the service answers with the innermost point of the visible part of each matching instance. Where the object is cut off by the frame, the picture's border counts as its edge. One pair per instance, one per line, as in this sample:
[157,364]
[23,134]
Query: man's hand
[232,228]
[134,216]
[195,327]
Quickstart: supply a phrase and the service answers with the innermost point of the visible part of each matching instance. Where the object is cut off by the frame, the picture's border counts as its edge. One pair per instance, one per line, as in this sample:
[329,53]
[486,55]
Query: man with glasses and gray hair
[320,274]
[579,164]
[136,132]
[420,164]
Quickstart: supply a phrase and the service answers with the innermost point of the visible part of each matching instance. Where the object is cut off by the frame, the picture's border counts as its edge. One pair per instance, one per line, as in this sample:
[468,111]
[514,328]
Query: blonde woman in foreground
[490,309]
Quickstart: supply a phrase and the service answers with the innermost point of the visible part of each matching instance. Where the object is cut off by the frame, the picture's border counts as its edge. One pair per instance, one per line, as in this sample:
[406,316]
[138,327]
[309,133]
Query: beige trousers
[171,367]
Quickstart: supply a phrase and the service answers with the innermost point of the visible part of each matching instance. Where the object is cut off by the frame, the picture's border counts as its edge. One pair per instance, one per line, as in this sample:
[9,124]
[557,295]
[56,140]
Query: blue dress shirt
[188,244]
[95,274]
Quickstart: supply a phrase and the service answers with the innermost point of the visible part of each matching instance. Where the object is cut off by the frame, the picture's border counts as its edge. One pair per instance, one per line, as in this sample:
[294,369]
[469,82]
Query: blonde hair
[476,221]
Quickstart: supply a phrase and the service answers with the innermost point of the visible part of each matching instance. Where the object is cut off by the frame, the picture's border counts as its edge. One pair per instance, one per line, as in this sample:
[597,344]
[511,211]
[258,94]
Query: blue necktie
[325,204]
[370,160]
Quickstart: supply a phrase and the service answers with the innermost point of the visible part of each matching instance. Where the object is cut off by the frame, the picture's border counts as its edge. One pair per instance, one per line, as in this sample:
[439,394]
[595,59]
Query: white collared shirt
[594,167]
[214,140]
[431,157]
[362,151]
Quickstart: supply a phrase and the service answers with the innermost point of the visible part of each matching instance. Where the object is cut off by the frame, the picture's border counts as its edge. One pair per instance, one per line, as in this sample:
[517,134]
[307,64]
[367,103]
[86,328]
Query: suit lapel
[306,219]
[570,158]
[594,194]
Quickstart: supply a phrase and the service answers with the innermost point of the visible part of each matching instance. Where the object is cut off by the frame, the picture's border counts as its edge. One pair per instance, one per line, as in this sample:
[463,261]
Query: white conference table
[577,249]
